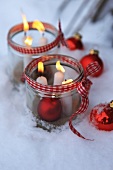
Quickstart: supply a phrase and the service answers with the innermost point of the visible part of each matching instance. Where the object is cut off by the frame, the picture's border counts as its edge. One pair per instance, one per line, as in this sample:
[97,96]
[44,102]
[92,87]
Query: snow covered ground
[24,147]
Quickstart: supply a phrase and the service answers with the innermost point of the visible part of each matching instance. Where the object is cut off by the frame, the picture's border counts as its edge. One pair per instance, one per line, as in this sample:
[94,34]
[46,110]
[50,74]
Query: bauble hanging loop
[93,51]
[78,36]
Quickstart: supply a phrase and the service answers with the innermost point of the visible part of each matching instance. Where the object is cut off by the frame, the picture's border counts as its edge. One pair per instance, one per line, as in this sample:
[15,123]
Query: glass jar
[20,54]
[53,104]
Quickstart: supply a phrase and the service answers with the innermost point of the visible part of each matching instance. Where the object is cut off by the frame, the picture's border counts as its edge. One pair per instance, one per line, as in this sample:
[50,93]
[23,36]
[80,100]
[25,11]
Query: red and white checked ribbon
[83,89]
[35,50]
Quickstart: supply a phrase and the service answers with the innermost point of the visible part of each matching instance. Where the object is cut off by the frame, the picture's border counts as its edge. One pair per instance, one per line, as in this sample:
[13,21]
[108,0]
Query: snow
[25,147]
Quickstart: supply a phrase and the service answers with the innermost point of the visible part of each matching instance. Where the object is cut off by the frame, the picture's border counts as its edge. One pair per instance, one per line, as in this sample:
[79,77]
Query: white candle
[58,78]
[67,100]
[42,41]
[59,75]
[42,80]
[40,27]
[27,40]
[27,58]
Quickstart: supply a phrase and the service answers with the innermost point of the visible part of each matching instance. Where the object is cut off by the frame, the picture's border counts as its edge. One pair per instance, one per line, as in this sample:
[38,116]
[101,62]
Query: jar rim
[54,88]
[33,50]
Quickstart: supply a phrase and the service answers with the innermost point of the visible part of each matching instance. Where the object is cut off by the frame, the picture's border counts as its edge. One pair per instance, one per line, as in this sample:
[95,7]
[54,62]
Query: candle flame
[40,67]
[67,81]
[25,23]
[38,25]
[28,40]
[59,67]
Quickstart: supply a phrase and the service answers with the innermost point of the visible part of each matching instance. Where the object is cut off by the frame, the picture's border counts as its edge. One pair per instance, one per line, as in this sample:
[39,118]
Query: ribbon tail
[82,109]
[83,89]
[63,41]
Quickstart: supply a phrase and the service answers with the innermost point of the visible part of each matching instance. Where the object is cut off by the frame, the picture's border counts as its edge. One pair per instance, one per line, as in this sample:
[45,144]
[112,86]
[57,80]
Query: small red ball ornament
[75,42]
[102,116]
[49,109]
[91,57]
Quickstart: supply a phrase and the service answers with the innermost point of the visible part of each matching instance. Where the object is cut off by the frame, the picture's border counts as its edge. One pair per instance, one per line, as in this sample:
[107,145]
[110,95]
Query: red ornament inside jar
[49,109]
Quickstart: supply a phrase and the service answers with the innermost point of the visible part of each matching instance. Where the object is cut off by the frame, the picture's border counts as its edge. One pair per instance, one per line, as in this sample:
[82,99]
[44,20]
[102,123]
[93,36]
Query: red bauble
[75,42]
[49,109]
[91,57]
[23,78]
[102,117]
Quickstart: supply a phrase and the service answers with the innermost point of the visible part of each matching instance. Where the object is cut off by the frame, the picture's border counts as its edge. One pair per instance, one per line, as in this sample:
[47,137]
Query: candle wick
[43,34]
[25,34]
[40,74]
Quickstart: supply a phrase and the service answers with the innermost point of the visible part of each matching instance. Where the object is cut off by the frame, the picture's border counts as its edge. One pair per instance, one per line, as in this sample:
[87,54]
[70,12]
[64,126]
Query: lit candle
[25,23]
[27,58]
[41,79]
[27,40]
[40,27]
[42,41]
[67,81]
[67,100]
[59,75]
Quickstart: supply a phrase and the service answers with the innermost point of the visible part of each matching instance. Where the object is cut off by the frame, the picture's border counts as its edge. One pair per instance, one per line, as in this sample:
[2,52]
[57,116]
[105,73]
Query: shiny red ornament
[91,57]
[101,116]
[75,42]
[49,109]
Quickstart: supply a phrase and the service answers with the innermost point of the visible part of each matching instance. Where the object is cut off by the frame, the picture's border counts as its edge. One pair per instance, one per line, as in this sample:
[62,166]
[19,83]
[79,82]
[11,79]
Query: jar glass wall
[62,100]
[20,55]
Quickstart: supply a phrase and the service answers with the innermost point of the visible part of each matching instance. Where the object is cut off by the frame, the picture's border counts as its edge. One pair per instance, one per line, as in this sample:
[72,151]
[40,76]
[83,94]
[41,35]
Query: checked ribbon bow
[83,89]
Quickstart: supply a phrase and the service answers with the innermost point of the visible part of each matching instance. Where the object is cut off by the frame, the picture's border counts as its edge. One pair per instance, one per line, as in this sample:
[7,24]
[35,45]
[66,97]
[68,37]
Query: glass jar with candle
[23,46]
[53,101]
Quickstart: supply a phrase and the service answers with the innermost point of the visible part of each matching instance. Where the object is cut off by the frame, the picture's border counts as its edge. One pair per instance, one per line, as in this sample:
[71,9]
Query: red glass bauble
[75,42]
[49,109]
[91,57]
[102,117]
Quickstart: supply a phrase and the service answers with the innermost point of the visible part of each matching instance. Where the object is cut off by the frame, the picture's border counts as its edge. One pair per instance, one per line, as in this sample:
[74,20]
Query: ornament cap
[92,51]
[111,104]
[78,36]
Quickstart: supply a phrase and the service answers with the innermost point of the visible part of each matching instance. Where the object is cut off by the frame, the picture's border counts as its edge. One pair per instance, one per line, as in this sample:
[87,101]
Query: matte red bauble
[91,57]
[75,42]
[102,116]
[49,109]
